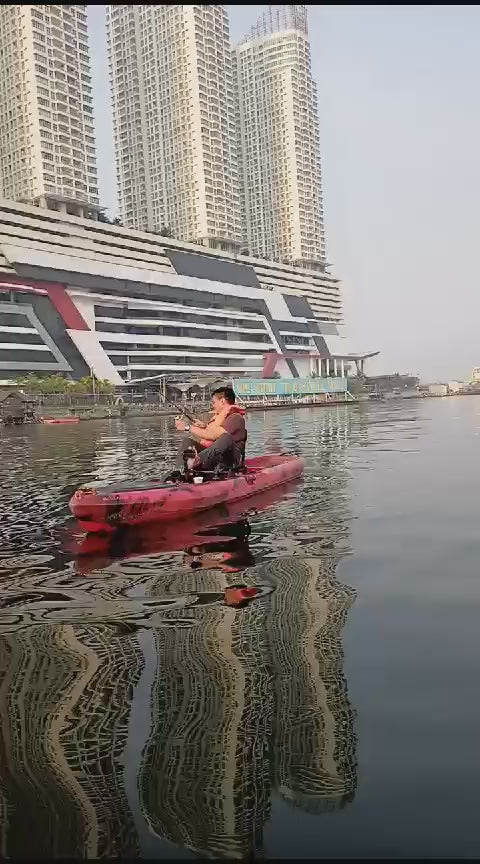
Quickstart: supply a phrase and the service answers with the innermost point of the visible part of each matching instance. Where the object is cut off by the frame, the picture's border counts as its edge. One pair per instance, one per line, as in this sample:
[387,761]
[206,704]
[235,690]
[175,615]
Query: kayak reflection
[215,539]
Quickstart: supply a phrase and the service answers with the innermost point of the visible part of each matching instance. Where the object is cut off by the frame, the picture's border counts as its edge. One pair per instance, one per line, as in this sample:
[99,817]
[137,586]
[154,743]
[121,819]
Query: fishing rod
[180,409]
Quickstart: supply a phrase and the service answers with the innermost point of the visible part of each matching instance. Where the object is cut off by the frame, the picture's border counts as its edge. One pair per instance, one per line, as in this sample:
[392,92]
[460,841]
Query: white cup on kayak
[197,480]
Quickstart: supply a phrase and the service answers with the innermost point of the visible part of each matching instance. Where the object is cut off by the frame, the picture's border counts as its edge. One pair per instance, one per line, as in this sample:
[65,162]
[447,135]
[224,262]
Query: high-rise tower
[171,70]
[47,137]
[280,140]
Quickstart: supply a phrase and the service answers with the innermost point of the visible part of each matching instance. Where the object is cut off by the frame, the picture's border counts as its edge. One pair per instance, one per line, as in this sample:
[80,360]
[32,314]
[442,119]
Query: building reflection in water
[205,778]
[248,705]
[245,704]
[314,741]
[65,698]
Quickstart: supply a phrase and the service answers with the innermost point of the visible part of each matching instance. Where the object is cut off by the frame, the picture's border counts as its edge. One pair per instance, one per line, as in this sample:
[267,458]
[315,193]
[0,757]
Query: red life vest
[234,409]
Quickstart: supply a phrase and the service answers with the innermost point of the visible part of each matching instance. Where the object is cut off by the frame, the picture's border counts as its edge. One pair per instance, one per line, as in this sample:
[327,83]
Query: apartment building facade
[174,115]
[47,135]
[280,141]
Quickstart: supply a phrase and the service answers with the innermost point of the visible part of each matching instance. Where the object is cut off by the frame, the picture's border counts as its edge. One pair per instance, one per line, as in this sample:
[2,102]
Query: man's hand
[180,425]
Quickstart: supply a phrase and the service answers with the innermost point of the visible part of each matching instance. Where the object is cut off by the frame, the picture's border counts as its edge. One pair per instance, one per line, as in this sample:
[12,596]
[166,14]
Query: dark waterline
[335,715]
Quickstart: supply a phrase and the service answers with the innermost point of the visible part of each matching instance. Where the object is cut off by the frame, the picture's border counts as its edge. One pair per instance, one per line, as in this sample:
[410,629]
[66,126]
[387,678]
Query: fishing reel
[188,453]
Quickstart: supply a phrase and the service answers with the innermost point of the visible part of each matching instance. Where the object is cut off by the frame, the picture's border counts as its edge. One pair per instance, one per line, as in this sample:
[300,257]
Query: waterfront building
[475,376]
[220,147]
[47,137]
[79,297]
[280,140]
[15,407]
[174,116]
[438,389]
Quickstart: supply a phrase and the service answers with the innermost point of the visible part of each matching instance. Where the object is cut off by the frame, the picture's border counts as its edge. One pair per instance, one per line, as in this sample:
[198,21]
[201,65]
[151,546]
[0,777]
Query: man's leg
[221,452]
[187,442]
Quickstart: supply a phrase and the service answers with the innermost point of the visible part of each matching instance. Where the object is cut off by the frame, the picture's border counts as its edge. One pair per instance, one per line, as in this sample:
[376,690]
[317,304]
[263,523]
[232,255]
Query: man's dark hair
[226,393]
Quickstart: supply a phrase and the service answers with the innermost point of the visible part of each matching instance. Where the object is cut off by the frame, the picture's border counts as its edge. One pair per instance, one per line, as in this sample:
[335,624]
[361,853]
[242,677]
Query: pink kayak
[105,508]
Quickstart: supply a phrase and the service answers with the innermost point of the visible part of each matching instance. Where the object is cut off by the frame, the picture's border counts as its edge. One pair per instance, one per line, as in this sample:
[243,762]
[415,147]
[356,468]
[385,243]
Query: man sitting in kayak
[219,443]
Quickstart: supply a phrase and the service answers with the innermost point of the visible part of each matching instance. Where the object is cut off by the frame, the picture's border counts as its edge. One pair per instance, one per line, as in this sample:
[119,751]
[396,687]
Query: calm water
[336,714]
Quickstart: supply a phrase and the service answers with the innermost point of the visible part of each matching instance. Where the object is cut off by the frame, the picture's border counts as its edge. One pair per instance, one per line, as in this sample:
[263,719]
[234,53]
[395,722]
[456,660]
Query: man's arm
[210,432]
[217,426]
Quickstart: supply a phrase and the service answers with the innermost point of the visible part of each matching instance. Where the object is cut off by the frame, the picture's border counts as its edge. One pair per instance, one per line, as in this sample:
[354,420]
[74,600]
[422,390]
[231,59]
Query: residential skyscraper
[280,138]
[174,116]
[47,137]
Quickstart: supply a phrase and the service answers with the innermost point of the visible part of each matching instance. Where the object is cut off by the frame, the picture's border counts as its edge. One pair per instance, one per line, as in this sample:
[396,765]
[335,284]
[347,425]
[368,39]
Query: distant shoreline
[151,411]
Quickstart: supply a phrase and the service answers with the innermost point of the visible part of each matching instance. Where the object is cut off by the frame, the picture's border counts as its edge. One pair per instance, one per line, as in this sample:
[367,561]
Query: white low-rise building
[438,389]
[78,296]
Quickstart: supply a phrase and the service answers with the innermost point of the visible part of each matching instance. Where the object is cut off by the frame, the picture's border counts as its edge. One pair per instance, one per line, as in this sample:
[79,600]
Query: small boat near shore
[51,421]
[103,509]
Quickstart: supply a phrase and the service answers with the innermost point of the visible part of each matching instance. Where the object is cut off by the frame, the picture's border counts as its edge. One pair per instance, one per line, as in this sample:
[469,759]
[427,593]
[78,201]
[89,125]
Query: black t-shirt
[234,424]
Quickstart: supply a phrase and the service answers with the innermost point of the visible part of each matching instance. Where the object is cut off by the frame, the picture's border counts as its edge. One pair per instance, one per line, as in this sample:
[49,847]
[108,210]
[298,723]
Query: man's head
[221,397]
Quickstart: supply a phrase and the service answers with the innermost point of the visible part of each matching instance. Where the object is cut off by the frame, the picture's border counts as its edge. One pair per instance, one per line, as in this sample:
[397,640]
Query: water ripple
[148,707]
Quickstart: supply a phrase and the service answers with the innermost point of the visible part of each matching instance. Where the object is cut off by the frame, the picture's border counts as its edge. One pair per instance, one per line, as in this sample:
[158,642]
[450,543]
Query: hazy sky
[400,138]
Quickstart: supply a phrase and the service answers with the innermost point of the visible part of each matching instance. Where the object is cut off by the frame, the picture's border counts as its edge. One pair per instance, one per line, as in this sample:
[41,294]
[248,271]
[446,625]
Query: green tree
[104,386]
[82,386]
[166,231]
[47,384]
[32,383]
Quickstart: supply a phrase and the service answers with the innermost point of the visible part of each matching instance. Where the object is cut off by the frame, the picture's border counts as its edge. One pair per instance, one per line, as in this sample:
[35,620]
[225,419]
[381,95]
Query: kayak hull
[220,524]
[105,509]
